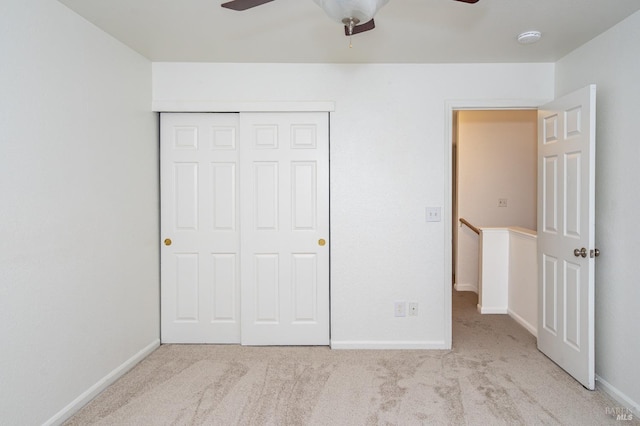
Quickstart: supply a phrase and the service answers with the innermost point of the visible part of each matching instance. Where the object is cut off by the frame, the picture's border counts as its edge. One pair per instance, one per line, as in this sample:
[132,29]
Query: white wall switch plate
[434,214]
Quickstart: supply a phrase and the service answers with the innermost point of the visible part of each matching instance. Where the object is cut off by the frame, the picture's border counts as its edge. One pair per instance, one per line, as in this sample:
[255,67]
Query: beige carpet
[494,375]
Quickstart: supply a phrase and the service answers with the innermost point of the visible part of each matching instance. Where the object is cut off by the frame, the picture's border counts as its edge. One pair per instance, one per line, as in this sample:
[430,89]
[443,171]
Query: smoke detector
[529,37]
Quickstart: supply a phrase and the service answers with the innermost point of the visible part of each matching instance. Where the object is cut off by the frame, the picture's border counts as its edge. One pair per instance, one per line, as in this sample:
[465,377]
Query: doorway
[490,156]
[494,182]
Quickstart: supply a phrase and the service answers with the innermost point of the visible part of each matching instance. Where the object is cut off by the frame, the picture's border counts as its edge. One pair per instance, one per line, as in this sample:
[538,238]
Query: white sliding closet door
[200,256]
[245,227]
[285,228]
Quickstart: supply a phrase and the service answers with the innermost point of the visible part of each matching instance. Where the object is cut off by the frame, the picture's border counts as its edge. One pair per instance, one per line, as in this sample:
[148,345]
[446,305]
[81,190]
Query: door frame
[450,107]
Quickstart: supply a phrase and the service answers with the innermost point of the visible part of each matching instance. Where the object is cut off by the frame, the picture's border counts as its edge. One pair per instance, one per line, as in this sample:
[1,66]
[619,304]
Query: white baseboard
[101,385]
[465,287]
[381,344]
[619,396]
[492,310]
[530,328]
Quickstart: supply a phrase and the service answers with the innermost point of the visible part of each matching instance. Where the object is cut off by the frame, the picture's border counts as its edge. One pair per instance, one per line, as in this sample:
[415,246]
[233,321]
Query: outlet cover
[400,309]
[433,214]
[413,309]
[502,202]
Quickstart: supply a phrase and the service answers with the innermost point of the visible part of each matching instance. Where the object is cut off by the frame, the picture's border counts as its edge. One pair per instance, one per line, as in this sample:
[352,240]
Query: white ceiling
[408,31]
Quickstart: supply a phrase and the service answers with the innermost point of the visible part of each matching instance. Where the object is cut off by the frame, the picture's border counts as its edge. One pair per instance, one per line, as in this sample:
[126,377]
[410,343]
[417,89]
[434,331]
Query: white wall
[612,61]
[493,294]
[509,274]
[496,159]
[389,160]
[523,278]
[79,210]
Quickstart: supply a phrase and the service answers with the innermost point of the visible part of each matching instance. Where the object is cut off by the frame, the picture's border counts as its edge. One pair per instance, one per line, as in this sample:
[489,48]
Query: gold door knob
[167,241]
[321,242]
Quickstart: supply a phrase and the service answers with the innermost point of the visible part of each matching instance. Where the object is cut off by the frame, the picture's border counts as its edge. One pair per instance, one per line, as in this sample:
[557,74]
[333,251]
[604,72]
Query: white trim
[385,344]
[465,287]
[231,106]
[619,396]
[101,385]
[530,328]
[450,106]
[507,104]
[492,310]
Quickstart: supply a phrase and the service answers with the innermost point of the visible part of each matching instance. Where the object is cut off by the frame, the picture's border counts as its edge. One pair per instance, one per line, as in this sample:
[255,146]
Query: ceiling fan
[356,15]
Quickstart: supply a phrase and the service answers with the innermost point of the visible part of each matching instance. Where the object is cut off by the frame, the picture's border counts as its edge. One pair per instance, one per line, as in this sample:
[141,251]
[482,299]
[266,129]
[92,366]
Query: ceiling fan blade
[468,1]
[360,28]
[243,4]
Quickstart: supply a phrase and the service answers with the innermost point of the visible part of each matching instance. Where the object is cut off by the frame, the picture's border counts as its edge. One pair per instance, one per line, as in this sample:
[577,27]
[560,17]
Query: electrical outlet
[413,309]
[502,202]
[400,309]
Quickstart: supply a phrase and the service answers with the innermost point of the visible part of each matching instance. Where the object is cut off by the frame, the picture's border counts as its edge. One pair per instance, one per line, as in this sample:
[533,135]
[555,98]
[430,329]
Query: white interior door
[566,232]
[200,255]
[285,228]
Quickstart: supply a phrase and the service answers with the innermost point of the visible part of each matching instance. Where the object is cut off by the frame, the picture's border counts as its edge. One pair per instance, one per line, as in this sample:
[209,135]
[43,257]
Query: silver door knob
[594,253]
[580,252]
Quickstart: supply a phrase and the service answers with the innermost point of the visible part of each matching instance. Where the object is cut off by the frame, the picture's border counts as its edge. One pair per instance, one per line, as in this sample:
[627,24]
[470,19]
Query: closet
[245,228]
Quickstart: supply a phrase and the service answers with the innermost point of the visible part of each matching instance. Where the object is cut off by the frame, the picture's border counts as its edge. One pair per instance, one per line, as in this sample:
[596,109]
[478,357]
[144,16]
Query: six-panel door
[285,219]
[566,225]
[200,265]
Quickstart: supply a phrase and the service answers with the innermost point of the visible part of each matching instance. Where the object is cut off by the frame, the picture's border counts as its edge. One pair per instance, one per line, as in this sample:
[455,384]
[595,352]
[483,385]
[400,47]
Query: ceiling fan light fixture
[529,37]
[357,11]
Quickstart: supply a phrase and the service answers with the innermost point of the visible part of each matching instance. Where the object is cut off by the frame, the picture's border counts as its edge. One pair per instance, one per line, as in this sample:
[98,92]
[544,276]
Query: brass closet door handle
[321,242]
[167,241]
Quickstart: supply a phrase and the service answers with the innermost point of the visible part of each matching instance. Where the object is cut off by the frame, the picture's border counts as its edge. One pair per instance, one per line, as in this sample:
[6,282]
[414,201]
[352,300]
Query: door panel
[223,195]
[305,287]
[572,305]
[265,202]
[200,289]
[225,287]
[186,193]
[187,295]
[566,222]
[549,178]
[549,292]
[304,195]
[285,202]
[572,184]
